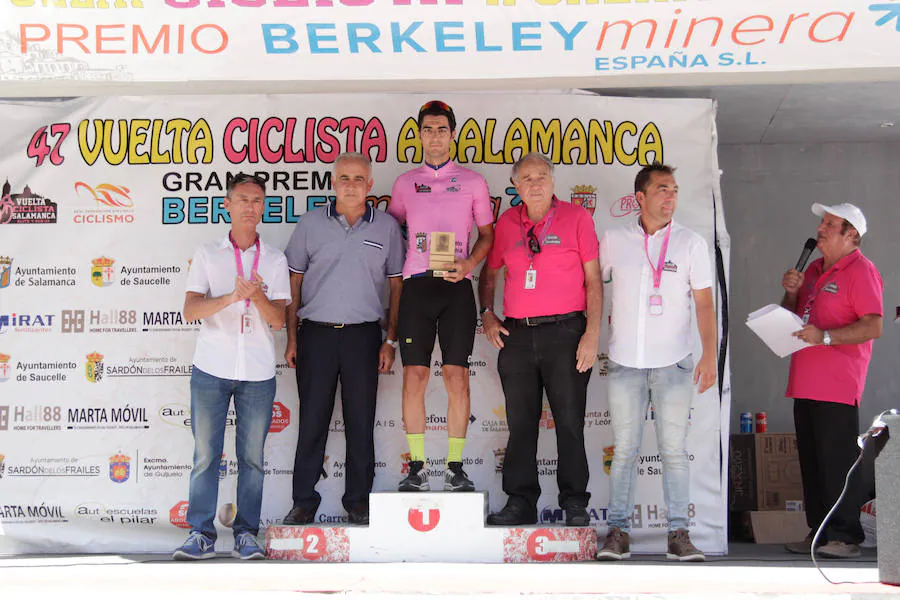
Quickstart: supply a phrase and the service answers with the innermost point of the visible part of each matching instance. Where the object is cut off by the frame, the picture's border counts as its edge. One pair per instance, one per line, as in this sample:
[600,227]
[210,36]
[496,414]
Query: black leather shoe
[359,514]
[577,516]
[513,514]
[299,516]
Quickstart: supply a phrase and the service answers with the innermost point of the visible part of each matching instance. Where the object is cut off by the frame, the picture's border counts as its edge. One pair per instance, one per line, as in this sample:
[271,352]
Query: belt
[338,325]
[535,321]
[429,274]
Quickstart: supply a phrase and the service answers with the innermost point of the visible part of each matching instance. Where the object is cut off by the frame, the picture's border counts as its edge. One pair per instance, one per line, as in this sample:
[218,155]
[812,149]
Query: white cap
[846,211]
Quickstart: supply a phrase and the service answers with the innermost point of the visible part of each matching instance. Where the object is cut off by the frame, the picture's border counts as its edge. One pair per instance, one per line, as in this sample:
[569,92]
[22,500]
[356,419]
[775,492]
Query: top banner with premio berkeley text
[47,44]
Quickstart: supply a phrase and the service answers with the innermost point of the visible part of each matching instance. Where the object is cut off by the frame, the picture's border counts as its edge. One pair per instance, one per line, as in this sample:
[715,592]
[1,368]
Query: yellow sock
[416,446]
[454,449]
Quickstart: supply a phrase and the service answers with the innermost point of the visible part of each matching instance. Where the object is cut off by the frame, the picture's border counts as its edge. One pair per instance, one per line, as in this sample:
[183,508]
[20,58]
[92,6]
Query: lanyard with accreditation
[247,317]
[531,273]
[656,302]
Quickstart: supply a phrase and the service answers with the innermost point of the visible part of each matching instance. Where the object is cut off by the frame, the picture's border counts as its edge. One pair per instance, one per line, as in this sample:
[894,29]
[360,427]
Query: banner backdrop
[103,204]
[45,43]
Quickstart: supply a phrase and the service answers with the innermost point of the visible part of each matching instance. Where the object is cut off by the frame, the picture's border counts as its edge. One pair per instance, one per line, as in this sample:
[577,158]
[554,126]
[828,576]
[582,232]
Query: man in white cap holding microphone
[840,300]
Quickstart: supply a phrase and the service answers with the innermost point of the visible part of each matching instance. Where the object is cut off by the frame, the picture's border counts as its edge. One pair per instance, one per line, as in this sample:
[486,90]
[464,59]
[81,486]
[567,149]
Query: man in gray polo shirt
[340,257]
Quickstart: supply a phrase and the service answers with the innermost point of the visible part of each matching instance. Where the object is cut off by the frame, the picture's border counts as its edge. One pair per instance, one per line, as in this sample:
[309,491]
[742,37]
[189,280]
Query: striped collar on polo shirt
[331,211]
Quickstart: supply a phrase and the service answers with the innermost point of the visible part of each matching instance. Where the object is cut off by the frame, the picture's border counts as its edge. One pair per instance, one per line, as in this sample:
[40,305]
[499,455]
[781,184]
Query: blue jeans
[631,391]
[210,397]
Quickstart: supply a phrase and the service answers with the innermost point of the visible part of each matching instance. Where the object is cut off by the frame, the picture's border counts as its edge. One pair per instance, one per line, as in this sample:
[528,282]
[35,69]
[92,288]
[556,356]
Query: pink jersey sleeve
[397,206]
[501,239]
[481,202]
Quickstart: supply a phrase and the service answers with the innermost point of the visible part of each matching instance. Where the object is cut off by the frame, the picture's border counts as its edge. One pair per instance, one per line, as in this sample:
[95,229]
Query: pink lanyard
[240,263]
[811,300]
[658,269]
[545,231]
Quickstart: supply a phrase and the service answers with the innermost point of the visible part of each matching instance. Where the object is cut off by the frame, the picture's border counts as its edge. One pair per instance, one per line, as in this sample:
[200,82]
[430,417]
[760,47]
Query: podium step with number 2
[430,527]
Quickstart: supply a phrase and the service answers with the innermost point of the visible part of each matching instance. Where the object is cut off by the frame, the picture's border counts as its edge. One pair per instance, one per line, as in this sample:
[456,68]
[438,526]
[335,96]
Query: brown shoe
[681,548]
[801,547]
[836,549]
[617,545]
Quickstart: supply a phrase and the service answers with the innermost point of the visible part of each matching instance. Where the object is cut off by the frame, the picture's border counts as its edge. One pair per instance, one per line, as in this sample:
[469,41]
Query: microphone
[808,247]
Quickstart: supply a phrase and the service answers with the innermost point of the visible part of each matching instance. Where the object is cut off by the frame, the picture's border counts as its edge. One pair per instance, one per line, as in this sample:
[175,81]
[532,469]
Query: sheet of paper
[774,326]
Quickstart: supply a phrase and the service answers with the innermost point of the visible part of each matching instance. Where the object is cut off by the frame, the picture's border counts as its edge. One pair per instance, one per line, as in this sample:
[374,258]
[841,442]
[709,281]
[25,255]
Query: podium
[430,527]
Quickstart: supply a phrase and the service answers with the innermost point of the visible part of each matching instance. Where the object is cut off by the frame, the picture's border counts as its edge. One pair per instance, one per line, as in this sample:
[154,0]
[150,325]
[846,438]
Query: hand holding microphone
[793,279]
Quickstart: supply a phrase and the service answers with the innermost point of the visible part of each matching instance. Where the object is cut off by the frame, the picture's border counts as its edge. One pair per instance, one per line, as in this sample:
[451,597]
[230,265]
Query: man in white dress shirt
[656,268]
[238,286]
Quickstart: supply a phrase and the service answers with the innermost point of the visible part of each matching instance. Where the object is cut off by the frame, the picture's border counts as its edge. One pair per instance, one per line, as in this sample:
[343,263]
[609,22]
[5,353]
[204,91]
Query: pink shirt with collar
[448,198]
[836,298]
[568,243]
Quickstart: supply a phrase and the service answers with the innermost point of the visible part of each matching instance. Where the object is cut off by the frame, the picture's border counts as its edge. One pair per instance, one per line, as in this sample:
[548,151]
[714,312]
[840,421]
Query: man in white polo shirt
[238,286]
[656,267]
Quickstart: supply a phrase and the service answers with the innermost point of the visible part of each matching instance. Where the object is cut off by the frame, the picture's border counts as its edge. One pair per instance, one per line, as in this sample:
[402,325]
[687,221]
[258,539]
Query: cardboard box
[778,526]
[764,472]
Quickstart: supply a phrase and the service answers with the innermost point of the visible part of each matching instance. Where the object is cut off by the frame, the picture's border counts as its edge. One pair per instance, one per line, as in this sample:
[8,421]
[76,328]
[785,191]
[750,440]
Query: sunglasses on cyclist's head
[436,104]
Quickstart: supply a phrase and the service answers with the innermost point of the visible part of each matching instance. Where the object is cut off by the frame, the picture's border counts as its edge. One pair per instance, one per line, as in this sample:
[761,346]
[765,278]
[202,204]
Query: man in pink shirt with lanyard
[840,300]
[546,342]
[439,197]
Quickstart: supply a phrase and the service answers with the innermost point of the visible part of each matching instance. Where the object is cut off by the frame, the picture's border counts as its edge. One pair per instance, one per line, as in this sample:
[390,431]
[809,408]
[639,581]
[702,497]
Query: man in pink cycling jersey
[439,197]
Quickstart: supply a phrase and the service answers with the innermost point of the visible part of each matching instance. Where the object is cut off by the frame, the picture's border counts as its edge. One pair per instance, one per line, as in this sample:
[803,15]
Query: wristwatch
[826,338]
[392,343]
[485,309]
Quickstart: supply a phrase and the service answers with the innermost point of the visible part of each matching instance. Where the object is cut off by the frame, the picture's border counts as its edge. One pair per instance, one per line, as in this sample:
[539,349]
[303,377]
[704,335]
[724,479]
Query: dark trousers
[826,444]
[324,355]
[534,359]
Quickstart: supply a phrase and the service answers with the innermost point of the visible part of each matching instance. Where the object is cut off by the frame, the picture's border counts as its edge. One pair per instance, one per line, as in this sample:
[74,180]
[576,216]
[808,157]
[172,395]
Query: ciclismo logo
[111,204]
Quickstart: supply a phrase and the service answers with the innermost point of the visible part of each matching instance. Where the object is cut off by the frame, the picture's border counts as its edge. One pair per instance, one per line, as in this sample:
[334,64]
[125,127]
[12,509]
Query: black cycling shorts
[429,306]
